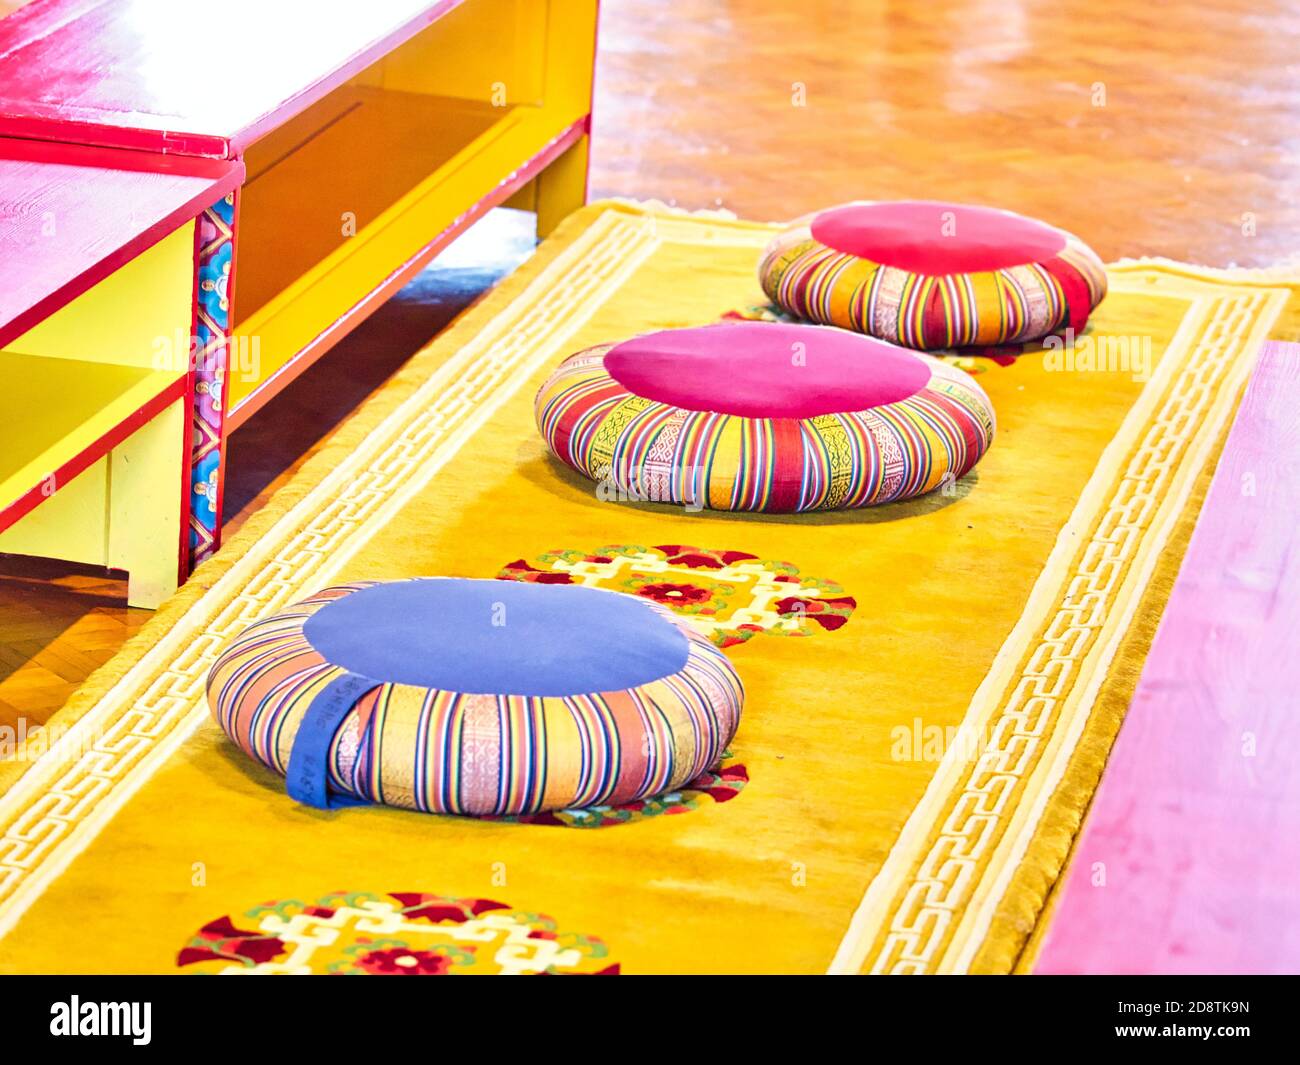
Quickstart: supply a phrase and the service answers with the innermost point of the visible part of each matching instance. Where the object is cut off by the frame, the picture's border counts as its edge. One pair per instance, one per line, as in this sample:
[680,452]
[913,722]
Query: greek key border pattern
[943,883]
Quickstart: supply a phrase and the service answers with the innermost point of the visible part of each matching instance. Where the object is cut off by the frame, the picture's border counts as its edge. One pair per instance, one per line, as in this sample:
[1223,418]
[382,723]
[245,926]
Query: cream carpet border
[933,881]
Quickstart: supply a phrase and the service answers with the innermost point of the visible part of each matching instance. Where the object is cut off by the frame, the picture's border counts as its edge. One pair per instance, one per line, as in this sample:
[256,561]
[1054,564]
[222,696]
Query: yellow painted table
[96,290]
[371,134]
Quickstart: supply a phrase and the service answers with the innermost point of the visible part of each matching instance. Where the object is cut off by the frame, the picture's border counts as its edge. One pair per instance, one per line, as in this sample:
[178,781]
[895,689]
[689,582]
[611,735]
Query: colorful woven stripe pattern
[642,449]
[931,312]
[450,752]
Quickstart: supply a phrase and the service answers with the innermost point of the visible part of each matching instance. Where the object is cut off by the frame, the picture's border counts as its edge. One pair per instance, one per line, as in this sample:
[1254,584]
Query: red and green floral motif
[730,595]
[682,596]
[720,785]
[220,940]
[398,934]
[402,961]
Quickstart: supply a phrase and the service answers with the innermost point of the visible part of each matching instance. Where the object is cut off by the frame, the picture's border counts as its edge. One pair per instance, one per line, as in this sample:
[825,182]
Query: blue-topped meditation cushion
[477,696]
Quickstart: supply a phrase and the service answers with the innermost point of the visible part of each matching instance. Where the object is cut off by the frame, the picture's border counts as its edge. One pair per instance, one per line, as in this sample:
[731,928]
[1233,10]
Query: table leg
[144,522]
[213,296]
[562,186]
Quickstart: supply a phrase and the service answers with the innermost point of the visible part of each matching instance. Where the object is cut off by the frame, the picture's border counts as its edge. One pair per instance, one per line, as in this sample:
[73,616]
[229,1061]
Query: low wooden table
[371,134]
[97,253]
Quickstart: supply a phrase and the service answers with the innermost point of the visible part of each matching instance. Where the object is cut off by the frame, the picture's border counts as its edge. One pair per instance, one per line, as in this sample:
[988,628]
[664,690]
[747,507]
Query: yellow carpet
[915,776]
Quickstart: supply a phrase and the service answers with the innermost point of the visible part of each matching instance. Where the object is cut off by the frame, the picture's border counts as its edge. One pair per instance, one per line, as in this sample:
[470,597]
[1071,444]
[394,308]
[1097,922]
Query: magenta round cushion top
[766,370]
[930,238]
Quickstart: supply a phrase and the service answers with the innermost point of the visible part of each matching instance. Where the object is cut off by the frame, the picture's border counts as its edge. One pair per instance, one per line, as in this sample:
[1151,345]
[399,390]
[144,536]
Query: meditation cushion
[933,275]
[763,416]
[477,696]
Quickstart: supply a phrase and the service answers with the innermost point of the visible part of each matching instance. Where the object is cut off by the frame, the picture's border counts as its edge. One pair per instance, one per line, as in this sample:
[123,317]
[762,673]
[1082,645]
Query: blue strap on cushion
[307,777]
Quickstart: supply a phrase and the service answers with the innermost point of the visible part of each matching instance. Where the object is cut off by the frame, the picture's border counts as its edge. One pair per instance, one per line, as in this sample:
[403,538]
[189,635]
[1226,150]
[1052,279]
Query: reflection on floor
[272,444]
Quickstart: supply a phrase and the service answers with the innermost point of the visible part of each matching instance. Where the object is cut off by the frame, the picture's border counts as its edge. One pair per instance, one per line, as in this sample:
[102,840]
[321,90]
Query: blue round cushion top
[496,637]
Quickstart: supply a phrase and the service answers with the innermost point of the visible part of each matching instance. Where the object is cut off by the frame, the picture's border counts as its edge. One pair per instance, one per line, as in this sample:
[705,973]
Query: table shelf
[267,208]
[349,198]
[57,411]
[427,160]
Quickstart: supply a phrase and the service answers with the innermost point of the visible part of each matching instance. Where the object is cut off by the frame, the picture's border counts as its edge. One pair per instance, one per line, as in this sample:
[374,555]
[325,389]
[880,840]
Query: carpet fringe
[1286,271]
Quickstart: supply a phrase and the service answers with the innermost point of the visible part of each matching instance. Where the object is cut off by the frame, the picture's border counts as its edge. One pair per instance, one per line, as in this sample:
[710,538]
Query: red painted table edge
[224,177]
[52,122]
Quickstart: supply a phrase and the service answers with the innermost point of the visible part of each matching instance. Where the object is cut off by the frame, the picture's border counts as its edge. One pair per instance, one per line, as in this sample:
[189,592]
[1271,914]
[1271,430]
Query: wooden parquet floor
[58,622]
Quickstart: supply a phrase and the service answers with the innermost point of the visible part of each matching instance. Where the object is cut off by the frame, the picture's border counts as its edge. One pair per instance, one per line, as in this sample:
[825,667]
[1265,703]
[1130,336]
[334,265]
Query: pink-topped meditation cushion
[757,370]
[763,416]
[933,275]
